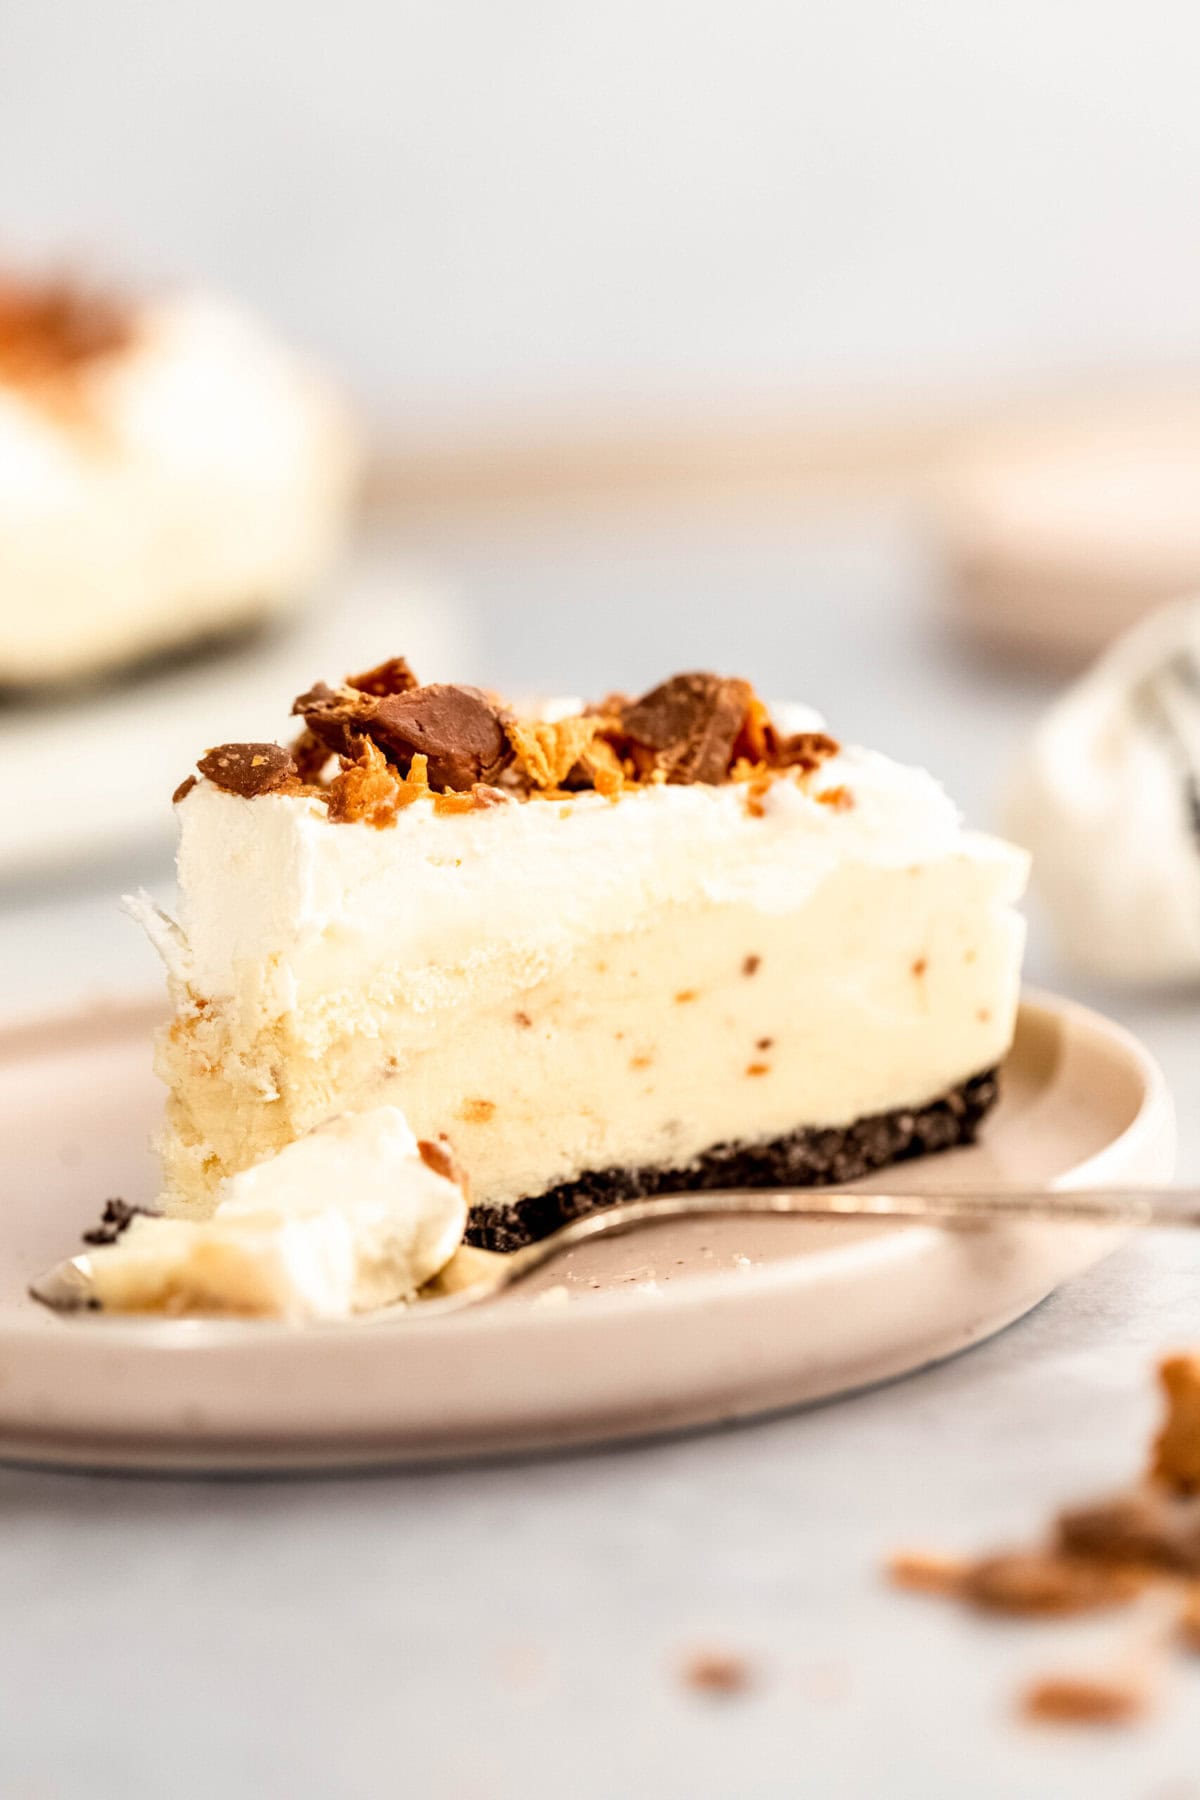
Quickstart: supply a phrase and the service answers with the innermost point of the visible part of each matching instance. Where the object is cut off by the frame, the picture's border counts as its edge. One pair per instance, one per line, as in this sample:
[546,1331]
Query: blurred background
[852,347]
[500,221]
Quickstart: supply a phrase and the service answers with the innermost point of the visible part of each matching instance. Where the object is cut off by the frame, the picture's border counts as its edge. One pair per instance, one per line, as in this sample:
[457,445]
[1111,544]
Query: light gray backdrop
[482,207]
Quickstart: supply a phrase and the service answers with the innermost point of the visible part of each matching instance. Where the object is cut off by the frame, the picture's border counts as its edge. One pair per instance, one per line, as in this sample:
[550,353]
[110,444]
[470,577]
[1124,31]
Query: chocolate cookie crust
[813,1156]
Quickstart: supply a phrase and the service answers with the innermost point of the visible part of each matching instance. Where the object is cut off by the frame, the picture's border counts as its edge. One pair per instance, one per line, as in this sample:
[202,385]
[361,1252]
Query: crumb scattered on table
[1144,1541]
[1084,1700]
[927,1571]
[717,1672]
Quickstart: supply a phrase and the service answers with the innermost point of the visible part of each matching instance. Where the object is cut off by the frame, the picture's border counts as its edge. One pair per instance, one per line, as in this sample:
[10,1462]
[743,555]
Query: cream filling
[707,1024]
[201,476]
[343,1220]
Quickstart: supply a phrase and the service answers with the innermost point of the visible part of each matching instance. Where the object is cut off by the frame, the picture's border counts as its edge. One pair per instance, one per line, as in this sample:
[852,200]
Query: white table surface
[516,1630]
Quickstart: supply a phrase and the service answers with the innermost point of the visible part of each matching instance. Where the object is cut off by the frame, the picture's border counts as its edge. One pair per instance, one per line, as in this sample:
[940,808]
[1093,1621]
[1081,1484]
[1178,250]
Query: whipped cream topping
[305,907]
[345,1219]
[197,475]
[1108,800]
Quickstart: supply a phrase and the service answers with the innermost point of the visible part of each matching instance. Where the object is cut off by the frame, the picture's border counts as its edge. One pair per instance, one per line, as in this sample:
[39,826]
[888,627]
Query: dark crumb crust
[810,1157]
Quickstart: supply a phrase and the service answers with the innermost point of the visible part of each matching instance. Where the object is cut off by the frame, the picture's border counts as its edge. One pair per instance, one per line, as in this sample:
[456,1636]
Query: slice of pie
[170,474]
[659,943]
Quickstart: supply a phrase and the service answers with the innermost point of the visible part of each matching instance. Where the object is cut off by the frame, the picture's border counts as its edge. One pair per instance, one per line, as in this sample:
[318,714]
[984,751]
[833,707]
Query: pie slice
[607,952]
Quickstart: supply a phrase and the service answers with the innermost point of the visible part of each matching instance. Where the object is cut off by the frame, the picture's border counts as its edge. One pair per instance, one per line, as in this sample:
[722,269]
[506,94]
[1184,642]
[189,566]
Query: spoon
[473,1275]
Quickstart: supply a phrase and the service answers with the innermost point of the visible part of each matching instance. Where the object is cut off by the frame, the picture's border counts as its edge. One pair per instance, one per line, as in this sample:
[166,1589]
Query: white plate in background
[90,774]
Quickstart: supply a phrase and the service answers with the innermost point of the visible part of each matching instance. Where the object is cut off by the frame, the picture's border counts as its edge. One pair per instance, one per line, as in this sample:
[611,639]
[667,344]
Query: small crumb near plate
[1084,1700]
[1189,1620]
[1040,1583]
[723,1673]
[927,1571]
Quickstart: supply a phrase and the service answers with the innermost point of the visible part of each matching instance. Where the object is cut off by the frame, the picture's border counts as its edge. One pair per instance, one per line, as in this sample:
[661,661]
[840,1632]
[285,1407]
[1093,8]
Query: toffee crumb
[391,677]
[436,1154]
[1042,1583]
[1084,1700]
[1189,1623]
[927,1571]
[718,1672]
[1177,1448]
[52,330]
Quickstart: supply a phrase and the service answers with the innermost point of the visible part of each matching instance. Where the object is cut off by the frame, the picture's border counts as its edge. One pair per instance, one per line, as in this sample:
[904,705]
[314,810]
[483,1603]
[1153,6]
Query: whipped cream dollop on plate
[354,1216]
[1108,800]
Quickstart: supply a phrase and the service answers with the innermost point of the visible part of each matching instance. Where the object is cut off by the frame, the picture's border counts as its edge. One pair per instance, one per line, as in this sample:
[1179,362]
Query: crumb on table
[1084,1700]
[721,1672]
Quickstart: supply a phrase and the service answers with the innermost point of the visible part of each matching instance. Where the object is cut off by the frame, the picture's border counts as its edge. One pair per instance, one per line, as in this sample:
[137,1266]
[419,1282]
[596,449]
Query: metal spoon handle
[1126,1207]
[67,1286]
[1086,1206]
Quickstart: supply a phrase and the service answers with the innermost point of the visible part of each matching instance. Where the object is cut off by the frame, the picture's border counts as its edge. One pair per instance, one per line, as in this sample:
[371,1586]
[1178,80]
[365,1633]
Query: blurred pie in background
[169,473]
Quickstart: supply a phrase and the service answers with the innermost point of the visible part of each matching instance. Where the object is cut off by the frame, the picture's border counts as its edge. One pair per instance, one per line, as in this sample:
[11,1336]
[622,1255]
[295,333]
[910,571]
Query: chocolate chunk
[391,677]
[247,769]
[117,1217]
[336,717]
[183,790]
[688,726]
[457,728]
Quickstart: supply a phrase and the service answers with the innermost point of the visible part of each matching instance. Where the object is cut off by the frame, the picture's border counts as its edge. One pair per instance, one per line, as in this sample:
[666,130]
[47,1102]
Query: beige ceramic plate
[685,1324]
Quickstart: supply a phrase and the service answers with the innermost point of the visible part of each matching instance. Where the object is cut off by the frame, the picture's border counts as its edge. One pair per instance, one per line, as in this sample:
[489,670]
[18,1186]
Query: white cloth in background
[1108,801]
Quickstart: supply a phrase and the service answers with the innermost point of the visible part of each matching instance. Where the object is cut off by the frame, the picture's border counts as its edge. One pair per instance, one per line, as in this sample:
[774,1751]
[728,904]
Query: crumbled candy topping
[381,740]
